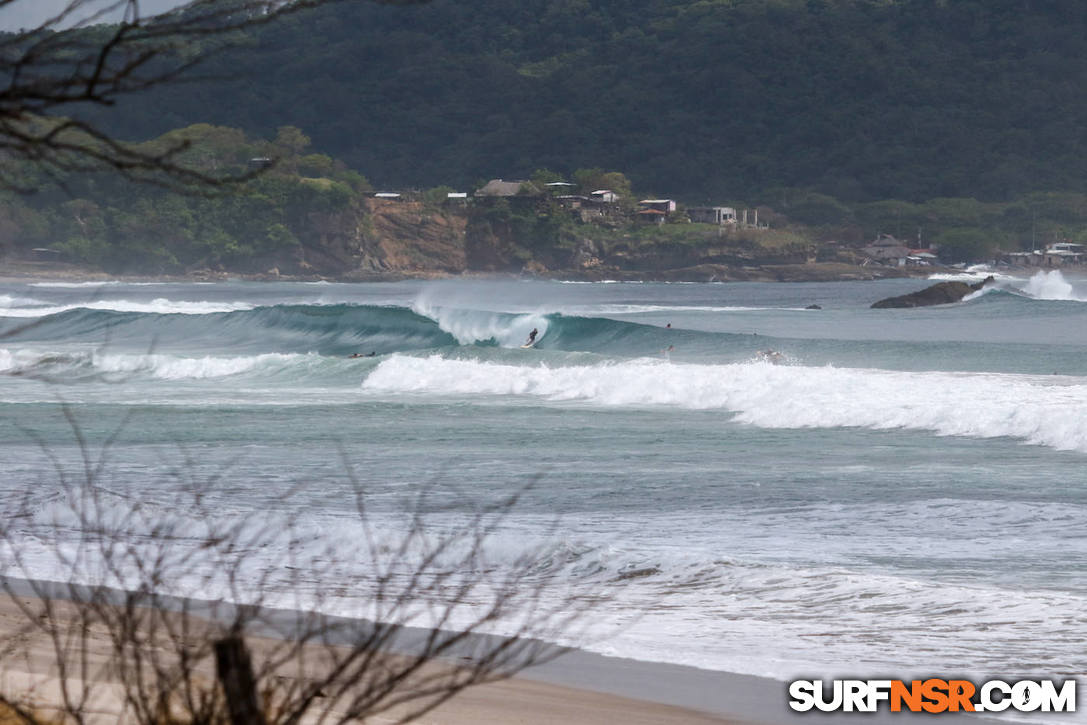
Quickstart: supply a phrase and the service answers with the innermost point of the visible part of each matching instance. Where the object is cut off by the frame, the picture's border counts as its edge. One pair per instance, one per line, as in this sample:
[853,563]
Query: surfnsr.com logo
[932,696]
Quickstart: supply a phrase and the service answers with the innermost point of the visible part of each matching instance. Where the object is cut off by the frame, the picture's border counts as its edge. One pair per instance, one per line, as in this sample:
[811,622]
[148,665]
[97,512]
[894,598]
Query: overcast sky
[32,13]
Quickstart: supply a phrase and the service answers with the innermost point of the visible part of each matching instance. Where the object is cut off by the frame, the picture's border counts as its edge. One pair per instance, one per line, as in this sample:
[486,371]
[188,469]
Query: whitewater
[756,486]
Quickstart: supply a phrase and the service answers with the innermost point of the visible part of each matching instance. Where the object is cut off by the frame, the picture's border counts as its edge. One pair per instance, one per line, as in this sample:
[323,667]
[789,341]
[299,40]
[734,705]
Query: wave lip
[1039,410]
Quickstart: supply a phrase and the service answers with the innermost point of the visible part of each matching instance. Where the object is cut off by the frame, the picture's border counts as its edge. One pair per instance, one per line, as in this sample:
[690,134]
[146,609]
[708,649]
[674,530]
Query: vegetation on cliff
[104,220]
[308,213]
[944,122]
[705,100]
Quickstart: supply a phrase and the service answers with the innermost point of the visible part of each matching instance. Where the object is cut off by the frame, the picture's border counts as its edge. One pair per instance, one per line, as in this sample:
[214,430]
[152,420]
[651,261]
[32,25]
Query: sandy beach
[577,688]
[28,674]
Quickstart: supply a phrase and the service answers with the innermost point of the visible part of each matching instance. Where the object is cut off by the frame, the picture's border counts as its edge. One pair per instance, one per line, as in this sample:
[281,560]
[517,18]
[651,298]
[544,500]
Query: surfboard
[528,345]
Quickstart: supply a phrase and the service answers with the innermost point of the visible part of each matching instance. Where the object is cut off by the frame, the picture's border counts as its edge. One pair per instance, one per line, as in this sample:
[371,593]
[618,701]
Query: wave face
[755,486]
[333,329]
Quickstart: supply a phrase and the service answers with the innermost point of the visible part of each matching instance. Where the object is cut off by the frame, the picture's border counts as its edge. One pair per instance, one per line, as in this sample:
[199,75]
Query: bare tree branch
[72,59]
[440,614]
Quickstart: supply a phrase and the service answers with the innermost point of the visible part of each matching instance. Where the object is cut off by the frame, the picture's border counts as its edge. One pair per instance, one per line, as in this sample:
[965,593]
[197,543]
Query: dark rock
[813,307]
[941,293]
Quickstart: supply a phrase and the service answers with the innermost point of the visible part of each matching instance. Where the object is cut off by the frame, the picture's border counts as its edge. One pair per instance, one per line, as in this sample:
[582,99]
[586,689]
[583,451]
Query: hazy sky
[31,13]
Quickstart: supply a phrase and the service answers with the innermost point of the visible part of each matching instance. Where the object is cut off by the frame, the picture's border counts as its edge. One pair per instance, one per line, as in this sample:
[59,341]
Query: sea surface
[749,485]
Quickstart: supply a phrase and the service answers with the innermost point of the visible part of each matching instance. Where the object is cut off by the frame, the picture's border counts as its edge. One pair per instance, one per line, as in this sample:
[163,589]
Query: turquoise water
[897,492]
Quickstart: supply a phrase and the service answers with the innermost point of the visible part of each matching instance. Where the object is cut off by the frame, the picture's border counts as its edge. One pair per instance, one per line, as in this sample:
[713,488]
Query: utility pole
[1033,216]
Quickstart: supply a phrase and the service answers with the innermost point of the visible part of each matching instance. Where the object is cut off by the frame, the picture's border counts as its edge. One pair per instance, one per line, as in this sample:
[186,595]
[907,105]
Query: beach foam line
[1042,410]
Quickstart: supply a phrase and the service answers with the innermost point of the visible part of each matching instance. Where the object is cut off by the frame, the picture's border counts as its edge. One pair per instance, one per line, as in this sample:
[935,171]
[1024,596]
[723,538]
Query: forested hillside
[717,99]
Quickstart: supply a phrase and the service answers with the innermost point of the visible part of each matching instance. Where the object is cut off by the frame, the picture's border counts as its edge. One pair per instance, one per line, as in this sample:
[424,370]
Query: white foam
[1051,285]
[170,367]
[632,309]
[1042,410]
[736,614]
[102,283]
[160,306]
[472,326]
[974,273]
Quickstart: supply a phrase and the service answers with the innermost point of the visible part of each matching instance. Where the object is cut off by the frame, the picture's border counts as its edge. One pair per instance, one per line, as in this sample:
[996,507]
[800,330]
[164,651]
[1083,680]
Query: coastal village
[545,228]
[606,206]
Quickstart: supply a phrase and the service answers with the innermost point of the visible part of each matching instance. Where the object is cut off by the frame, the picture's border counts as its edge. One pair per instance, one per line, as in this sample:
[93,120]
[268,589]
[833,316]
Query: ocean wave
[335,329]
[170,367]
[92,284]
[471,327]
[1041,410]
[1051,285]
[160,306]
[740,613]
[85,365]
[975,273]
[632,309]
[7,302]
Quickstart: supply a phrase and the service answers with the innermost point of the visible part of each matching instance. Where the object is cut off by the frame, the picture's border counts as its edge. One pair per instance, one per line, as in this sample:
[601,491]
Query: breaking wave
[1051,286]
[1042,410]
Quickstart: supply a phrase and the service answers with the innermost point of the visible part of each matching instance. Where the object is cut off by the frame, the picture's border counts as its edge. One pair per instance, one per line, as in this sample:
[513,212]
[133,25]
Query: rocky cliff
[381,238]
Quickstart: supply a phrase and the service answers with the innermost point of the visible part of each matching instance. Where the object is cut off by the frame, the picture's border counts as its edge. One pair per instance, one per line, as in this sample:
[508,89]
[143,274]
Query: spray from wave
[1051,286]
[470,327]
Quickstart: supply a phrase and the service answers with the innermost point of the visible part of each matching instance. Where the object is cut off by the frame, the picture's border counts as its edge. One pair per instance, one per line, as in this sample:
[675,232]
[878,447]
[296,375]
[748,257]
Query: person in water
[532,336]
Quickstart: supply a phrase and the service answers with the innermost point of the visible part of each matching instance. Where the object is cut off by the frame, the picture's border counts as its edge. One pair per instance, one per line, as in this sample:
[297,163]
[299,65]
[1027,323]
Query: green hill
[716,99]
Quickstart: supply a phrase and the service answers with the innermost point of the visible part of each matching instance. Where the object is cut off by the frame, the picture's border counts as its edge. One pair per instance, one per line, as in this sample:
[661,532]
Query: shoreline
[577,688]
[561,693]
[819,272]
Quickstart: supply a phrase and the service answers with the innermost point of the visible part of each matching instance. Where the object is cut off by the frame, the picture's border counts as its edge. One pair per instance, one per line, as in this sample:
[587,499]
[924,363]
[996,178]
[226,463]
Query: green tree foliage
[819,210]
[965,245]
[854,99]
[103,220]
[589,180]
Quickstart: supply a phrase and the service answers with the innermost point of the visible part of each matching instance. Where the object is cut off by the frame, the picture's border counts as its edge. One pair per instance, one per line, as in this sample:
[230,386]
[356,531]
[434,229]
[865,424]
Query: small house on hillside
[712,214]
[662,205]
[389,195]
[571,201]
[1021,259]
[559,187]
[888,250]
[1063,254]
[500,188]
[651,216]
[604,196]
[922,257]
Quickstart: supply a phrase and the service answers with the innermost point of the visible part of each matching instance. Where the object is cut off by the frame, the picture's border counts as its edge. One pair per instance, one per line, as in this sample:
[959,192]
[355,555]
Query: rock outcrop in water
[941,293]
